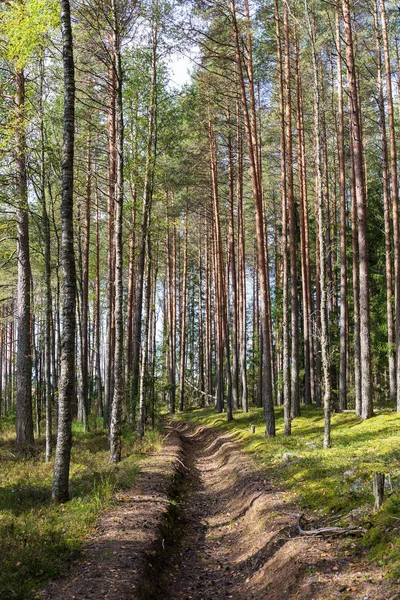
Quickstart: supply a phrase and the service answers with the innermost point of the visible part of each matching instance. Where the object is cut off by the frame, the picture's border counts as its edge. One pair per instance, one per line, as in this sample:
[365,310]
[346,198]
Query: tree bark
[252,138]
[47,276]
[284,250]
[67,380]
[304,238]
[24,419]
[241,265]
[361,203]
[184,321]
[395,194]
[294,356]
[233,272]
[386,219]
[147,203]
[343,231]
[119,387]
[324,340]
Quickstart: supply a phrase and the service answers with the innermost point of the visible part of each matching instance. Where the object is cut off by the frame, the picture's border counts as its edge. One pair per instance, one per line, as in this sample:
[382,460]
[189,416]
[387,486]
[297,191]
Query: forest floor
[204,521]
[38,538]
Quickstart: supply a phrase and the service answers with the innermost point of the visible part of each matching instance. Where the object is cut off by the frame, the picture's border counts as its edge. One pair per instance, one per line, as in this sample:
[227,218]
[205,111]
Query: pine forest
[199,299]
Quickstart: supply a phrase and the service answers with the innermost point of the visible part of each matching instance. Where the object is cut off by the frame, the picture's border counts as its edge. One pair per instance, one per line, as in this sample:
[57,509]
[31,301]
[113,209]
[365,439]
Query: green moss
[37,537]
[333,482]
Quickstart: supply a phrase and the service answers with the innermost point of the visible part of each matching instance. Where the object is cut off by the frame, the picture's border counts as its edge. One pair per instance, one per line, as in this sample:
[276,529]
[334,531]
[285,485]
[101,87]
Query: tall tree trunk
[171,290]
[343,231]
[386,218]
[202,386]
[233,272]
[294,357]
[119,387]
[285,299]
[47,276]
[361,202]
[395,195]
[356,291]
[97,312]
[304,239]
[132,256]
[209,347]
[24,420]
[220,288]
[184,321]
[143,366]
[241,265]
[110,330]
[252,138]
[321,238]
[67,379]
[85,295]
[147,203]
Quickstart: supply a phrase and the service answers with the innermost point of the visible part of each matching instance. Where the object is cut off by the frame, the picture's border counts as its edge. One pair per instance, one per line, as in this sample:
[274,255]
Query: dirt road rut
[237,537]
[203,523]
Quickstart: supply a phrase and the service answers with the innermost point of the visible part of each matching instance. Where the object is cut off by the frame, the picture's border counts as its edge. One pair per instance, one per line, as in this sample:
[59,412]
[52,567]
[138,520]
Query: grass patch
[37,537]
[336,482]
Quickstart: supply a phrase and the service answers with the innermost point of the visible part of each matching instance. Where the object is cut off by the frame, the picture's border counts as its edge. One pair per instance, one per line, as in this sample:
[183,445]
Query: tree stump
[252,428]
[379,489]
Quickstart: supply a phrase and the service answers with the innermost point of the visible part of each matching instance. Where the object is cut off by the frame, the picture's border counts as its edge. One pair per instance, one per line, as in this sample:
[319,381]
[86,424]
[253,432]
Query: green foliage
[25,26]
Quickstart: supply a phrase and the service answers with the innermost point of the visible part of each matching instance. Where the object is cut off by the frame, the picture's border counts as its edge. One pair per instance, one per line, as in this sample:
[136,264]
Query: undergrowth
[37,537]
[335,485]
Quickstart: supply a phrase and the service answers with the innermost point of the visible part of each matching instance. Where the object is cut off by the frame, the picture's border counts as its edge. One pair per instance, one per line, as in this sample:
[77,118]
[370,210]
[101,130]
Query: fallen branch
[330,531]
[180,462]
[199,391]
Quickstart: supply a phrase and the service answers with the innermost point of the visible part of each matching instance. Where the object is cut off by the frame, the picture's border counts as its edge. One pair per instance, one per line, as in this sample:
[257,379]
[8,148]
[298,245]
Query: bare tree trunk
[143,366]
[356,291]
[147,203]
[304,241]
[184,322]
[24,420]
[356,135]
[395,196]
[119,387]
[85,295]
[171,289]
[47,277]
[343,231]
[285,299]
[201,382]
[386,218]
[209,353]
[252,140]
[132,253]
[67,380]
[224,346]
[110,330]
[321,239]
[241,267]
[295,395]
[232,265]
[97,311]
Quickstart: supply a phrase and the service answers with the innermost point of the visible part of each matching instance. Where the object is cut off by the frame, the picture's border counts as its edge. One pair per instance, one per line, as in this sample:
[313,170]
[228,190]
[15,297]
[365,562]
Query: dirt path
[202,523]
[238,540]
[117,559]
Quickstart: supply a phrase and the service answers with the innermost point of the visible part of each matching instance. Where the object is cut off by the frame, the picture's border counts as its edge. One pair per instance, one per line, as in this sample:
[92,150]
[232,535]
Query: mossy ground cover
[334,485]
[37,537]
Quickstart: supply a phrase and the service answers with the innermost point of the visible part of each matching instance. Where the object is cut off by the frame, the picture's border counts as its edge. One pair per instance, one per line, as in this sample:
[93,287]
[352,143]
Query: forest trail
[239,539]
[202,523]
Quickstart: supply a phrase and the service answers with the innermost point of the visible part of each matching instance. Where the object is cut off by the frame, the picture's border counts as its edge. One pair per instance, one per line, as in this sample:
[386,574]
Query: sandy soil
[202,523]
[116,560]
[240,538]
